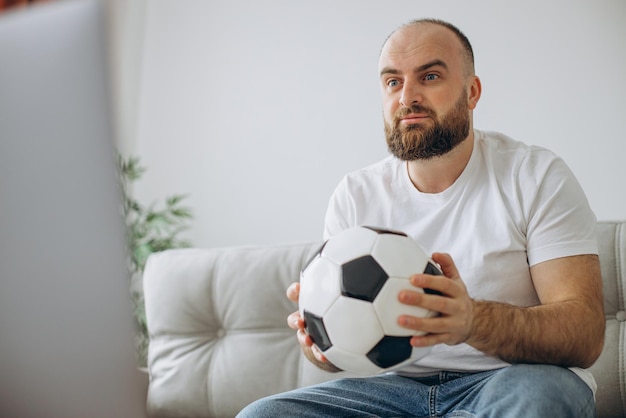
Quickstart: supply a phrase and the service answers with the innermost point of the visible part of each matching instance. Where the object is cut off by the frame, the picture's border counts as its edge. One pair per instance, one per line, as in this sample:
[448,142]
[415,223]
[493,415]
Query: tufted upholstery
[219,338]
[609,369]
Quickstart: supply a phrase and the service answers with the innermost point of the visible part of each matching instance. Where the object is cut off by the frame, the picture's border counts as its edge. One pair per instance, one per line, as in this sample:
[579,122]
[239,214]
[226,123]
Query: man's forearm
[566,333]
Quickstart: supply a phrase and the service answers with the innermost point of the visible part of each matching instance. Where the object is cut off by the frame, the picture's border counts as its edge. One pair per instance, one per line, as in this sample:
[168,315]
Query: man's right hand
[310,350]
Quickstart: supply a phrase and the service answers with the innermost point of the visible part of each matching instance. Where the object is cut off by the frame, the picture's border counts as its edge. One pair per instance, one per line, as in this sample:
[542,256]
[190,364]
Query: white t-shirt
[513,206]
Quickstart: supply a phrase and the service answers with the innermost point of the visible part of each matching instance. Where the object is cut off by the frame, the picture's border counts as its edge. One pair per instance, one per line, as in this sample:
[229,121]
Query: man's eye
[393,83]
[431,77]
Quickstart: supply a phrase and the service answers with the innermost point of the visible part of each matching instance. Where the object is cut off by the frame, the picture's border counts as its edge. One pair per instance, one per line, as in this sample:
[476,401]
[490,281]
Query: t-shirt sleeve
[560,220]
[340,207]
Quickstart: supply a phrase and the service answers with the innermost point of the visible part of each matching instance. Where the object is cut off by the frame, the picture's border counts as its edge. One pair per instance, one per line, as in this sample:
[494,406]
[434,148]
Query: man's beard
[416,142]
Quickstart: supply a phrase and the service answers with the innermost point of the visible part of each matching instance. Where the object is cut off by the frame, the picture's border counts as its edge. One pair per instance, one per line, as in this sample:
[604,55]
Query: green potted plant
[150,229]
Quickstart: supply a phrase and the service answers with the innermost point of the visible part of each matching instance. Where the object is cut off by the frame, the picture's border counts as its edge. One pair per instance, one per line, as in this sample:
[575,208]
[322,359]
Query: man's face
[424,83]
[424,141]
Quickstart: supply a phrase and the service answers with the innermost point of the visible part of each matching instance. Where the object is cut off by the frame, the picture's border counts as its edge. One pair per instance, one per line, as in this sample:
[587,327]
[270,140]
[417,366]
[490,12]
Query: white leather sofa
[219,338]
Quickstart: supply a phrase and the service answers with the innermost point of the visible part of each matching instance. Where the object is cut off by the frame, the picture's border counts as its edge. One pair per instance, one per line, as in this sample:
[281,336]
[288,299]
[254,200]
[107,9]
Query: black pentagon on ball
[432,269]
[316,330]
[390,351]
[362,278]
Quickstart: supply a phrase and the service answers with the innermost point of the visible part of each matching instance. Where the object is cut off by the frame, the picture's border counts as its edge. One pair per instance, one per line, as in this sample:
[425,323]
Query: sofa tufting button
[620,316]
[220,333]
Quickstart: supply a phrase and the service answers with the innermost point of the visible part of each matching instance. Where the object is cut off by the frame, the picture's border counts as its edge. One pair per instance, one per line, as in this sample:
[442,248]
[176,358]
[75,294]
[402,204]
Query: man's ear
[475,89]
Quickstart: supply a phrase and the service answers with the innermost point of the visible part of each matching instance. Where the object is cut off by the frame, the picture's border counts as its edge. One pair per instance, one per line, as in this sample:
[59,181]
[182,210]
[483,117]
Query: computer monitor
[66,327]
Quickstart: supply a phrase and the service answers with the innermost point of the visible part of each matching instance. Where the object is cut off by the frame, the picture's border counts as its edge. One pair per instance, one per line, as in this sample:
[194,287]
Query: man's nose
[411,94]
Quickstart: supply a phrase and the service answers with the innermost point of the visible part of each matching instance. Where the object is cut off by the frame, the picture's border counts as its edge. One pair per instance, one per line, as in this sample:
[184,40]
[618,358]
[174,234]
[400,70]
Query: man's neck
[437,174]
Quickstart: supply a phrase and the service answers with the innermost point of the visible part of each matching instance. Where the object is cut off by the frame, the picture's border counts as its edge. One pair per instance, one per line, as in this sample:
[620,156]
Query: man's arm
[567,329]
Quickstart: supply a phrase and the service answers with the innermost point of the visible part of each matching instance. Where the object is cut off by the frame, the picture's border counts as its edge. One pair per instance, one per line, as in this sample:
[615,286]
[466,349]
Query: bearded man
[520,303]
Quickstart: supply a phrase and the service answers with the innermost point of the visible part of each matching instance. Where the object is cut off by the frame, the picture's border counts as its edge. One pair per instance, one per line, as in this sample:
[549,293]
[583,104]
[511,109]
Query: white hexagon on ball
[399,255]
[389,308]
[319,286]
[357,364]
[350,244]
[353,325]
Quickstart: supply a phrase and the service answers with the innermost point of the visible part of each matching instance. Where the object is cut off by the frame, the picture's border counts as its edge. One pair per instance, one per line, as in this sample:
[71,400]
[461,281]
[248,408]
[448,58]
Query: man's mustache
[413,109]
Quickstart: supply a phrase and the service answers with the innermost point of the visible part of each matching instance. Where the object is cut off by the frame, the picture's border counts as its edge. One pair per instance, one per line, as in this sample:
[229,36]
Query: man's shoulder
[504,148]
[379,177]
[387,166]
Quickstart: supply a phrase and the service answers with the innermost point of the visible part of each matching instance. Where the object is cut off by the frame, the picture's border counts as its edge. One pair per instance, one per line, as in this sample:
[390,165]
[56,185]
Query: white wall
[256,109]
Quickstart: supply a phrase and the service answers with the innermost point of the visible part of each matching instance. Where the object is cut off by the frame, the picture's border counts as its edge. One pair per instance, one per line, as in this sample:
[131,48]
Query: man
[521,314]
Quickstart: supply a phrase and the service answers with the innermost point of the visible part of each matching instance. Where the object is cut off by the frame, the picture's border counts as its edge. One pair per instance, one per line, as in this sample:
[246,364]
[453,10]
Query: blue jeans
[533,391]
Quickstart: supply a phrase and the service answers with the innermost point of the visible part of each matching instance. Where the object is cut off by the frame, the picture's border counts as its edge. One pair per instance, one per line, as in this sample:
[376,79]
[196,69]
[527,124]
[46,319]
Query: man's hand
[566,329]
[311,351]
[455,307]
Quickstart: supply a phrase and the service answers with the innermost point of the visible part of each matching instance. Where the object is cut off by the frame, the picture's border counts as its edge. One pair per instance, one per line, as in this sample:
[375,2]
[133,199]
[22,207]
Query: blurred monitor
[66,327]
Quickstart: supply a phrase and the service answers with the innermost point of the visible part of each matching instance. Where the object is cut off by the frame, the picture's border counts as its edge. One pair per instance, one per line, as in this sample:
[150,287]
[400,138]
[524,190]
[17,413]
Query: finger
[319,356]
[295,321]
[436,325]
[449,329]
[440,284]
[293,291]
[451,303]
[447,265]
[304,339]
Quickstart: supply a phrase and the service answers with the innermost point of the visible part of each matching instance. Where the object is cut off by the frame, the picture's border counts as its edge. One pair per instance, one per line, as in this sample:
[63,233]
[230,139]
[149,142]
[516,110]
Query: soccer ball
[349,299]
